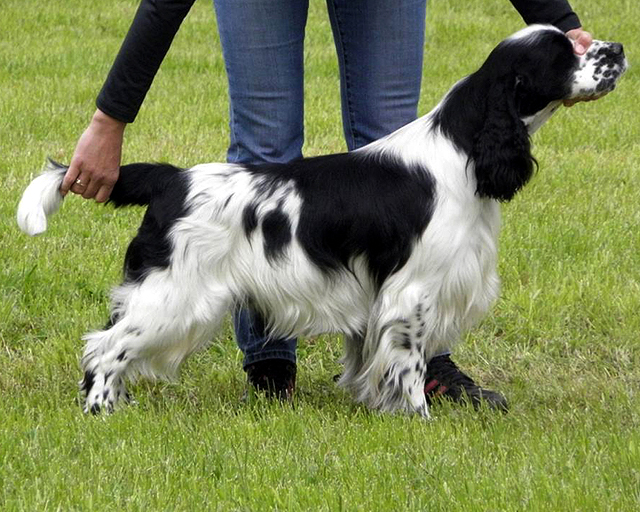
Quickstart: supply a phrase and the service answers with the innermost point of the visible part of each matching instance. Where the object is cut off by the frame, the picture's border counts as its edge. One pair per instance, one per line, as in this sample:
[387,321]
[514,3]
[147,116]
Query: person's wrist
[106,122]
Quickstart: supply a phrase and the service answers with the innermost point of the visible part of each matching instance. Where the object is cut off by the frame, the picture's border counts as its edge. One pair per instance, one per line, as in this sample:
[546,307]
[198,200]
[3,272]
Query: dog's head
[544,71]
[525,79]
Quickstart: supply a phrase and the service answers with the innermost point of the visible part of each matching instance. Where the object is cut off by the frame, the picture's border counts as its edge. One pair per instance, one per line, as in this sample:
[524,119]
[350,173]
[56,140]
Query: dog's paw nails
[95,409]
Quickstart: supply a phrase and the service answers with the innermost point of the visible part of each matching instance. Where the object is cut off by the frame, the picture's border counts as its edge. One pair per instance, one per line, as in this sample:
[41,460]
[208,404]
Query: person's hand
[581,40]
[95,165]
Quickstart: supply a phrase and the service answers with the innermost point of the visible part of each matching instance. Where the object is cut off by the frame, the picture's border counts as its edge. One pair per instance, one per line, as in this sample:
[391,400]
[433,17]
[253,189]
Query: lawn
[562,342]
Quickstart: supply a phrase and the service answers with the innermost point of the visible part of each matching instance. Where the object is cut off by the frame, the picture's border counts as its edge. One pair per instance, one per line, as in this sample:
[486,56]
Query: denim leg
[262,44]
[255,345]
[380,45]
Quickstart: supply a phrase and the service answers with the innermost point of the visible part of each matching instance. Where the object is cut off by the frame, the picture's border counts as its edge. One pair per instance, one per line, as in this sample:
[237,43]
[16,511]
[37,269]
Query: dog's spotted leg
[398,344]
[103,382]
[102,391]
[403,381]
[392,376]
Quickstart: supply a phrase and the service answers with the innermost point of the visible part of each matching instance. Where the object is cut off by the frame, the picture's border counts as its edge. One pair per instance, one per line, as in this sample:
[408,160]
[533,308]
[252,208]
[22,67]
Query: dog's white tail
[41,199]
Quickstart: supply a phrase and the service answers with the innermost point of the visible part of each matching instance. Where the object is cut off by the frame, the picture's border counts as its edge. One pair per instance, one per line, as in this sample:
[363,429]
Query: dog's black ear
[502,151]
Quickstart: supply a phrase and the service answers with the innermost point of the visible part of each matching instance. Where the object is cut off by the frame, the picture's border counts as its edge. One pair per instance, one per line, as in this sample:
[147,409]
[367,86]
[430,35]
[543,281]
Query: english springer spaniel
[393,245]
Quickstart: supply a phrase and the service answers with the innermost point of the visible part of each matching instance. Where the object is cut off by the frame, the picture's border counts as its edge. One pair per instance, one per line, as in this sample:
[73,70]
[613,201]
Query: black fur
[87,382]
[249,219]
[276,229]
[354,204]
[502,151]
[163,188]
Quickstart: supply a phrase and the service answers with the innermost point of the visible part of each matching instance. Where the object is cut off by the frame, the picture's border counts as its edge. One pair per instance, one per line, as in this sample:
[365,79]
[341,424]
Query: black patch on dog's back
[249,219]
[276,230]
[355,204]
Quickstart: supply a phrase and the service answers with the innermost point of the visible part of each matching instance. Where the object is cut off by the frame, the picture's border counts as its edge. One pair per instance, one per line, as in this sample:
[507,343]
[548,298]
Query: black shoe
[275,377]
[444,379]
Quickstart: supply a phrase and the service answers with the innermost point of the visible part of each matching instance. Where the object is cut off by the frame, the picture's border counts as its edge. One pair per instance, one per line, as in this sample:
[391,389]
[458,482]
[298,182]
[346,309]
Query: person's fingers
[104,183]
[95,185]
[584,40]
[581,40]
[104,193]
[88,184]
[90,189]
[578,47]
[69,179]
[573,101]
[80,184]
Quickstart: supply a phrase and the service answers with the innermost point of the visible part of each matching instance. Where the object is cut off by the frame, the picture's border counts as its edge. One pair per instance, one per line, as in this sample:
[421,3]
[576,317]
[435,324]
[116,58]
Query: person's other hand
[95,165]
[581,40]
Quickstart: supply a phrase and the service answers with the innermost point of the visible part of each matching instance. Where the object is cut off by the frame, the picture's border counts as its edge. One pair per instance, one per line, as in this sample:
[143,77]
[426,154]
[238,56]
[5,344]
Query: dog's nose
[617,49]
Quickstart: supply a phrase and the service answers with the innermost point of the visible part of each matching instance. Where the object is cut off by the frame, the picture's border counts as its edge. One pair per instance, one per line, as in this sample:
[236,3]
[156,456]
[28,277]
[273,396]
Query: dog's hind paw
[103,392]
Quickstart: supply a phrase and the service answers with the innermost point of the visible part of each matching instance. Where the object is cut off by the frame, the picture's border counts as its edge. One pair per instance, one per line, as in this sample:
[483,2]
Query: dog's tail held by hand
[41,199]
[138,184]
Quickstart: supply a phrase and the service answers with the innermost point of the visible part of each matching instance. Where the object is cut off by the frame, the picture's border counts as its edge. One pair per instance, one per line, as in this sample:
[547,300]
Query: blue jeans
[380,46]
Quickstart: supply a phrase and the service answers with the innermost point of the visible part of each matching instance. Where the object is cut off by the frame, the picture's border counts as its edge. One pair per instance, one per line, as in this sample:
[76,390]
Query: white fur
[41,199]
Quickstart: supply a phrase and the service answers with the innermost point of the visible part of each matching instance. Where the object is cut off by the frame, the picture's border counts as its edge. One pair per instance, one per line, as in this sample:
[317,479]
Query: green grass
[561,343]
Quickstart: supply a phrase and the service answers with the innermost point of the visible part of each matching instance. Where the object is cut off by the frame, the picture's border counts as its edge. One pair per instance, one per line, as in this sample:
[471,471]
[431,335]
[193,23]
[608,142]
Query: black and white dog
[393,245]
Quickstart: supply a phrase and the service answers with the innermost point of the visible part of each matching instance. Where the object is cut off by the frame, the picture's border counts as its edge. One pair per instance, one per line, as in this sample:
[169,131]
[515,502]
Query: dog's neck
[534,122]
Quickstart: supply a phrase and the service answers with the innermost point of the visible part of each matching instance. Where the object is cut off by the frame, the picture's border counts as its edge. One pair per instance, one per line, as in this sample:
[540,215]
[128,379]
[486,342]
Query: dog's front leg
[402,383]
[392,371]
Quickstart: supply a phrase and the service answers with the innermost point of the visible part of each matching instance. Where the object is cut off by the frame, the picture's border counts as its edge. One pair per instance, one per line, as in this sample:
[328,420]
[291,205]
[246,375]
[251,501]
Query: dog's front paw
[103,392]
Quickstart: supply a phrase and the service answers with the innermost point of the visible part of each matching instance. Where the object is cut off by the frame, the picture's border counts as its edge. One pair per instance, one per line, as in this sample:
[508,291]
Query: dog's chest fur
[451,280]
[468,256]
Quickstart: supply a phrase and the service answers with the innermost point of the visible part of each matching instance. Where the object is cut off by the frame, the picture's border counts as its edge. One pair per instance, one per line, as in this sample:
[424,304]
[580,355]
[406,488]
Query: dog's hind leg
[157,324]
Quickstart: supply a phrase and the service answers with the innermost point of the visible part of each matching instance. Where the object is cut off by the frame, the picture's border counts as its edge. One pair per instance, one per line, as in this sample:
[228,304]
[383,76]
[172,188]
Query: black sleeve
[555,12]
[155,24]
